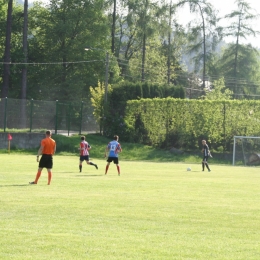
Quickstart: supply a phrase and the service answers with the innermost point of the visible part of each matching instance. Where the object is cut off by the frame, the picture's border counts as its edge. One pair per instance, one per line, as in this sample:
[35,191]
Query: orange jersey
[48,145]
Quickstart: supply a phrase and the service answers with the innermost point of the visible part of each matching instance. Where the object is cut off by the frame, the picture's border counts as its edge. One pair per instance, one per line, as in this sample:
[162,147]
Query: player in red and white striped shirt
[84,153]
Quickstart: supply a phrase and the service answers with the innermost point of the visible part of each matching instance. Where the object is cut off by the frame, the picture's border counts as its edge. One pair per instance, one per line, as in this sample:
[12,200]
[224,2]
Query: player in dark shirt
[206,154]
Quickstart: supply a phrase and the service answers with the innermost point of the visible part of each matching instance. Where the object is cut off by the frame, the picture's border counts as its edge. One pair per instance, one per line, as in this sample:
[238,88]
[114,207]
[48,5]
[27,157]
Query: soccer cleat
[32,182]
[209,170]
[96,166]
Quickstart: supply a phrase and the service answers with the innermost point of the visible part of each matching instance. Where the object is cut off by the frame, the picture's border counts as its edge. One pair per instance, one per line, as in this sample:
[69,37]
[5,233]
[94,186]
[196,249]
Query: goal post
[246,150]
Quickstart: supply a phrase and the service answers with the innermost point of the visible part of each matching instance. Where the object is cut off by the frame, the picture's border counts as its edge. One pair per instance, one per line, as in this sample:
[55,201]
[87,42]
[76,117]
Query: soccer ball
[189,169]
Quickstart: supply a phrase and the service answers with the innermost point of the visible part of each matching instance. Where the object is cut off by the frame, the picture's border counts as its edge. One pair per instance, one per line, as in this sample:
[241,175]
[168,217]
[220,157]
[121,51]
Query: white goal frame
[234,144]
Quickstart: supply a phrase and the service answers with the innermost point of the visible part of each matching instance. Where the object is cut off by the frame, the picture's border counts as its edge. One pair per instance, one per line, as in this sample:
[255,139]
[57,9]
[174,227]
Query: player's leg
[117,166]
[49,164]
[108,163]
[38,175]
[49,176]
[206,163]
[81,159]
[42,164]
[91,163]
[203,164]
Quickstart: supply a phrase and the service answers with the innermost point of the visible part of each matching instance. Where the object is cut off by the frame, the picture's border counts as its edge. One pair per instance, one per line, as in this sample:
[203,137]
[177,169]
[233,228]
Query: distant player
[84,154]
[206,154]
[113,148]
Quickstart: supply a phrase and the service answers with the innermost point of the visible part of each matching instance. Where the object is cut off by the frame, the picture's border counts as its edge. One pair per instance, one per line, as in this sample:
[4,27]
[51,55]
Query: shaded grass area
[69,146]
[152,211]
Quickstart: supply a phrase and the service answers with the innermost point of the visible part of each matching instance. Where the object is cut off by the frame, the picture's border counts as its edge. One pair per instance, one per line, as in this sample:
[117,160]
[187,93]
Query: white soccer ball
[189,169]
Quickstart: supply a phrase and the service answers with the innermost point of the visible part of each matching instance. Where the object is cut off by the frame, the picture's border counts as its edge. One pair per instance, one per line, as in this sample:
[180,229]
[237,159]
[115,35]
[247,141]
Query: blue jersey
[113,148]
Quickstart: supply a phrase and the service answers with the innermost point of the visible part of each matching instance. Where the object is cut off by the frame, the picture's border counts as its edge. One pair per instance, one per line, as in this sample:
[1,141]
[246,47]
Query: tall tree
[143,21]
[63,31]
[203,36]
[7,52]
[24,69]
[25,50]
[239,29]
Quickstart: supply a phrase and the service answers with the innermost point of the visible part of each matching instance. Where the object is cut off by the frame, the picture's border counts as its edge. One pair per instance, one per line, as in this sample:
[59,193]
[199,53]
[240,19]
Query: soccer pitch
[152,211]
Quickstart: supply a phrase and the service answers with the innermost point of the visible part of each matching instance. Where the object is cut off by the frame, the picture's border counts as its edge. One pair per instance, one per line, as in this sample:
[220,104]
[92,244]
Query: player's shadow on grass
[14,185]
[88,175]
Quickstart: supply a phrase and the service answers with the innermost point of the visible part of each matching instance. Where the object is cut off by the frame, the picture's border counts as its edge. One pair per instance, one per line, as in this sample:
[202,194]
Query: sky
[224,7]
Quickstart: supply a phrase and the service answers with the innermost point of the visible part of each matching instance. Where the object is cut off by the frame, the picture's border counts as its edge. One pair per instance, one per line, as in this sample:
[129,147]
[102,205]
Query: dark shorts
[46,161]
[84,158]
[205,158]
[112,159]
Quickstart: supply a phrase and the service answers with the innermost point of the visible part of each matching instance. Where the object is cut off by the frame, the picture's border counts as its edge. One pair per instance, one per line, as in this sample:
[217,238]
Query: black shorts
[84,158]
[205,158]
[112,159]
[46,161]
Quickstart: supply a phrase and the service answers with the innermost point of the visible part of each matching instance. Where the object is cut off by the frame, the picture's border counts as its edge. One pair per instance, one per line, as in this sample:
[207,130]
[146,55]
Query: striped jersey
[84,147]
[206,151]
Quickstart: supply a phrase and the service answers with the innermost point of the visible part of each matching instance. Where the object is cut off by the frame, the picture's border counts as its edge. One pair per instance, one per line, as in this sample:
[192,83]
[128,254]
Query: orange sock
[49,178]
[38,175]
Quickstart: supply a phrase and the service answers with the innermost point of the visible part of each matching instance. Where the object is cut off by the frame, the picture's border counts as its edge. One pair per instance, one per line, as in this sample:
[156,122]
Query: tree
[218,91]
[62,32]
[97,100]
[238,28]
[247,78]
[7,53]
[203,37]
[25,50]
[141,23]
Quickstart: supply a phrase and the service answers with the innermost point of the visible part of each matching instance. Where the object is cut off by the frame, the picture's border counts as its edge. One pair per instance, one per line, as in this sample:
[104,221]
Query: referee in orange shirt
[47,150]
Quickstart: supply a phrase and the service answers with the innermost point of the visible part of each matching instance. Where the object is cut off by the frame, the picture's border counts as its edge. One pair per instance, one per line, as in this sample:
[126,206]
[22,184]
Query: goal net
[246,150]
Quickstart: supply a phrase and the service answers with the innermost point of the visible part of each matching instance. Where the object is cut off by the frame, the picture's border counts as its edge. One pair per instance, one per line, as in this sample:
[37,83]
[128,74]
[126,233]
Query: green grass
[152,211]
[69,146]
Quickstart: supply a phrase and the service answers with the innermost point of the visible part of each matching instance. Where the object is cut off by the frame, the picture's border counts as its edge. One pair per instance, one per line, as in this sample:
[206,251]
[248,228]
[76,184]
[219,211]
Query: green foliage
[114,114]
[219,91]
[184,123]
[247,68]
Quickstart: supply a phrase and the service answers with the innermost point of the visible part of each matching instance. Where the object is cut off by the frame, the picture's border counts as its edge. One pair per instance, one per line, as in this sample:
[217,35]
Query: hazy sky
[224,7]
[227,6]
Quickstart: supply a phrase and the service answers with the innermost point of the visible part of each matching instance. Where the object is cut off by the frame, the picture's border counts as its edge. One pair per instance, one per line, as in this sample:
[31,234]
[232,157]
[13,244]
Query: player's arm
[81,147]
[106,151]
[54,150]
[39,152]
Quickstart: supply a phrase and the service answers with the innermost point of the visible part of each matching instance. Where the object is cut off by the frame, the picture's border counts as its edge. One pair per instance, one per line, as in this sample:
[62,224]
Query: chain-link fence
[37,115]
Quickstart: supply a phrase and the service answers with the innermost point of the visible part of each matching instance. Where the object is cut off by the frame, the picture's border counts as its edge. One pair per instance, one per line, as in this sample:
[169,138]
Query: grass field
[152,211]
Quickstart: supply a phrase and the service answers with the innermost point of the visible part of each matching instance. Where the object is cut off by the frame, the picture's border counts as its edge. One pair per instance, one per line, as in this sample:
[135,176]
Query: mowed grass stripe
[152,211]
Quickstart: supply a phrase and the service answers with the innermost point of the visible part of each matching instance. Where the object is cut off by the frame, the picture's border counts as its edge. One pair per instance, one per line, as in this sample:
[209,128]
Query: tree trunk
[113,29]
[7,55]
[143,57]
[24,70]
[25,50]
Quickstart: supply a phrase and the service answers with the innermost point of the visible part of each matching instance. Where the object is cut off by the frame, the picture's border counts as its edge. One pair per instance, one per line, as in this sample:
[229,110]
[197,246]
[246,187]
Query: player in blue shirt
[112,149]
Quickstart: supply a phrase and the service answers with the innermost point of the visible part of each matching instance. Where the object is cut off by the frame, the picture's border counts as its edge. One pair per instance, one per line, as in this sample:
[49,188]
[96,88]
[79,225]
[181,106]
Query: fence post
[69,120]
[5,116]
[31,112]
[56,117]
[80,123]
[224,126]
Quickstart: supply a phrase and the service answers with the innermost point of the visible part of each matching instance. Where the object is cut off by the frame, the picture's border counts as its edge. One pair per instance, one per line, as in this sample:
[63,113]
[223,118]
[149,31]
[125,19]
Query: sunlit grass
[152,211]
